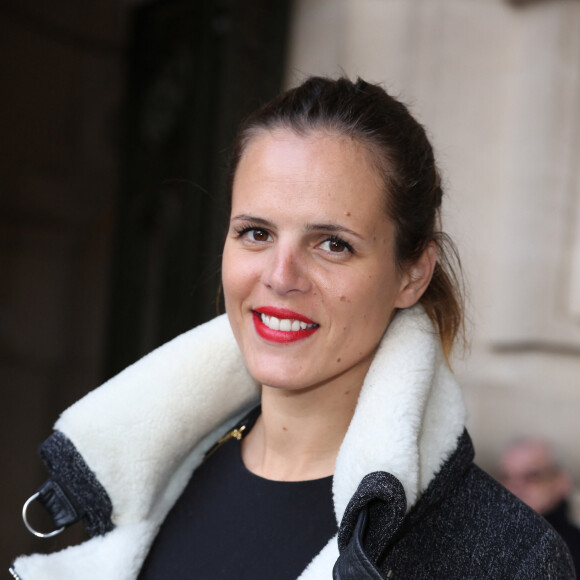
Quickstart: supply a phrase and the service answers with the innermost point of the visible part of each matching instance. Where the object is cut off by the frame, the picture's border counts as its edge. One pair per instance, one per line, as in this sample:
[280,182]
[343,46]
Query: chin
[280,378]
[276,381]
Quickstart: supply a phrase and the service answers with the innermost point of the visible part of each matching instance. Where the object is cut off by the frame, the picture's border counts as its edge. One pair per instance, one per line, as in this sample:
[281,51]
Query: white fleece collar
[144,432]
[409,414]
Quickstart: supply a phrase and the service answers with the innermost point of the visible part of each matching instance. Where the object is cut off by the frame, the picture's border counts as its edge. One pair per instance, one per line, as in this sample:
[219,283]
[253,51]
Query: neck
[299,433]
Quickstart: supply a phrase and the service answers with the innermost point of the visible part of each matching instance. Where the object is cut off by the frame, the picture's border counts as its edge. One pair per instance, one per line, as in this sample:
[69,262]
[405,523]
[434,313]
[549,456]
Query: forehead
[282,163]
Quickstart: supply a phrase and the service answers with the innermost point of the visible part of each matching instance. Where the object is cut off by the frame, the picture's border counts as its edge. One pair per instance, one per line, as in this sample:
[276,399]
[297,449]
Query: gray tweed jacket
[409,500]
[465,526]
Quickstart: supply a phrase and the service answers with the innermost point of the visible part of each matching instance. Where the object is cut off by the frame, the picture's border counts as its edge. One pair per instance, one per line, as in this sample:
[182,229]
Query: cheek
[367,310]
[232,278]
[226,282]
[240,277]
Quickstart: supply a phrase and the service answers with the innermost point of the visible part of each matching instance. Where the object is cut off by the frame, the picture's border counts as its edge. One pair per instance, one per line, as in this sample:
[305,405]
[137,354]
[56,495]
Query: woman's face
[308,268]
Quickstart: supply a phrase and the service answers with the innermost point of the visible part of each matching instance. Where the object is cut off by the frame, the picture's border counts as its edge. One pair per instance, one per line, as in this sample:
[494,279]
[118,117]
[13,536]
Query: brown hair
[404,158]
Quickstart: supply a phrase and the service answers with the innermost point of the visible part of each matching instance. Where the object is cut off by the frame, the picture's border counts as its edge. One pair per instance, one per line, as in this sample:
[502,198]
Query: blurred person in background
[531,471]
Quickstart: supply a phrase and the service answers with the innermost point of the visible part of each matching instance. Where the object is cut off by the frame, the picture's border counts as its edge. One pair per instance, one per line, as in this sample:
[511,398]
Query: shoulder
[483,530]
[524,539]
[506,518]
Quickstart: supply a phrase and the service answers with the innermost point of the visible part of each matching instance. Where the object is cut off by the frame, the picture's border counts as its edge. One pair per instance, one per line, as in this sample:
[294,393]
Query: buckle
[29,526]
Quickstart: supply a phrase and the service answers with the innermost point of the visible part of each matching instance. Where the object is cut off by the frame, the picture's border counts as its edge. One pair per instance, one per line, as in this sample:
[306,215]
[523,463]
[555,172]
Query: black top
[230,523]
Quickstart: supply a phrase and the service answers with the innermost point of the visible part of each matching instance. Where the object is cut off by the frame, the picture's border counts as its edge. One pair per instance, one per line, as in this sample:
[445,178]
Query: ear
[417,277]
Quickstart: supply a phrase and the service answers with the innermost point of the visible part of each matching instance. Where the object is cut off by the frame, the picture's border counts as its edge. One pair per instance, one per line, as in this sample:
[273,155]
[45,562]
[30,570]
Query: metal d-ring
[30,528]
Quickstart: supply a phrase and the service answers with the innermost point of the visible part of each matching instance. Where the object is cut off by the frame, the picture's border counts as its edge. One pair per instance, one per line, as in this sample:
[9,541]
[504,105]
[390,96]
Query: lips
[282,325]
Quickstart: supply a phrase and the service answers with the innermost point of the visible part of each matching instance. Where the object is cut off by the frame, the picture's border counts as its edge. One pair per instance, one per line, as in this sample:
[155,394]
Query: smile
[285,324]
[280,325]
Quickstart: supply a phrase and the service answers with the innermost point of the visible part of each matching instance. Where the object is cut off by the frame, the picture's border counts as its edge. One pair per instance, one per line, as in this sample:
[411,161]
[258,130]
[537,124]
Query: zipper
[235,433]
[14,574]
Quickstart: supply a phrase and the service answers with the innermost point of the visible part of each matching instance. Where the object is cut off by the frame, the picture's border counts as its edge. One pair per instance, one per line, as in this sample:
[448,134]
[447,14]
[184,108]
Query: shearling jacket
[410,502]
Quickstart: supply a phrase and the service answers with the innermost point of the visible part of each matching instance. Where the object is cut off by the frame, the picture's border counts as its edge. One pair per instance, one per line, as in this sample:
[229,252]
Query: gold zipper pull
[235,433]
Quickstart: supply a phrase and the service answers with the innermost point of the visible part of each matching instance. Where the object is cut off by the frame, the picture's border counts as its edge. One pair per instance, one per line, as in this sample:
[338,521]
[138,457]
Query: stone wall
[498,86]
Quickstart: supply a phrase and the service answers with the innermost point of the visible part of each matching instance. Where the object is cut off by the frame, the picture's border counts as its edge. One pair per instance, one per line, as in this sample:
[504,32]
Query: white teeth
[271,322]
[285,324]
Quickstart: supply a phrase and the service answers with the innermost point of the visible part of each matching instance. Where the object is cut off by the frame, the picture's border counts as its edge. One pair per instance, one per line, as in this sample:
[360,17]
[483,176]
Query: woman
[343,312]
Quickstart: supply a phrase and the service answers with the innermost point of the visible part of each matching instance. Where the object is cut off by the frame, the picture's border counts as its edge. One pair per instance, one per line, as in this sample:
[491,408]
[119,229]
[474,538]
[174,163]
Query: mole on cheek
[338,359]
[347,213]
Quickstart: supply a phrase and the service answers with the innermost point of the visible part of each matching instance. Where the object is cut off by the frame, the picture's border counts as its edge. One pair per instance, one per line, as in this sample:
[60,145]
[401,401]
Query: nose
[286,270]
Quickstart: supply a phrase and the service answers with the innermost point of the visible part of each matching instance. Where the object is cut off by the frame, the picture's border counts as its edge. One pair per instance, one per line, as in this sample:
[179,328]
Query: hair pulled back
[403,156]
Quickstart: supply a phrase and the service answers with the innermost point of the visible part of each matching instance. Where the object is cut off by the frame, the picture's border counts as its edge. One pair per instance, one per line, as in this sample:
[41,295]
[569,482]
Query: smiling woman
[293,196]
[342,309]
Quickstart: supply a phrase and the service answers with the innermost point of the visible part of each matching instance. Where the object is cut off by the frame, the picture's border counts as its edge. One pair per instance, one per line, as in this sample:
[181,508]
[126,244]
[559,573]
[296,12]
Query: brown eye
[260,235]
[252,235]
[336,246]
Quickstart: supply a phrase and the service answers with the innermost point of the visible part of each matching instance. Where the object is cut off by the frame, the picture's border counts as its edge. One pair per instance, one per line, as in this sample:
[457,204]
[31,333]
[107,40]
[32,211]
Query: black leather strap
[59,506]
[353,563]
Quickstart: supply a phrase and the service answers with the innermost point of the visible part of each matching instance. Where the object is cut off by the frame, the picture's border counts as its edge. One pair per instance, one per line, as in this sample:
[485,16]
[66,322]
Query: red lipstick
[282,336]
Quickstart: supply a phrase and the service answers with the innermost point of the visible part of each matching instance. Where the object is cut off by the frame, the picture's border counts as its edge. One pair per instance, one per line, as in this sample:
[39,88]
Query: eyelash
[337,240]
[243,230]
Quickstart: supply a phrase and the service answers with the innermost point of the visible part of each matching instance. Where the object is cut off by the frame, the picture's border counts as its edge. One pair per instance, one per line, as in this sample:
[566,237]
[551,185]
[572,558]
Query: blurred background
[116,117]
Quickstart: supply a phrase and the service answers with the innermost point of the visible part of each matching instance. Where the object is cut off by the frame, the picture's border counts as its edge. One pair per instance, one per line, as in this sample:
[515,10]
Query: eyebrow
[317,227]
[332,228]
[250,218]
